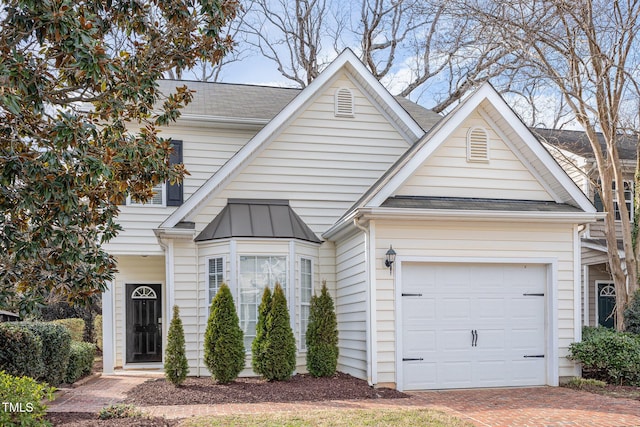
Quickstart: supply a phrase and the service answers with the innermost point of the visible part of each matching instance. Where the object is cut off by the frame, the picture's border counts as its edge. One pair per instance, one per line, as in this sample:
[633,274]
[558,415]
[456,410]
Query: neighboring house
[573,150]
[305,186]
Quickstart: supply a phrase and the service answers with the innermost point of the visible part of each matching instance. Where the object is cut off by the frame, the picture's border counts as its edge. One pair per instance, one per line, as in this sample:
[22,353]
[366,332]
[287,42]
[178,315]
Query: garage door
[472,325]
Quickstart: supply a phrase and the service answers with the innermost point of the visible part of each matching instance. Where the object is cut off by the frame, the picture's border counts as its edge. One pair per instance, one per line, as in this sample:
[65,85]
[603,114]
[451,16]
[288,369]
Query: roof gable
[507,126]
[453,171]
[346,62]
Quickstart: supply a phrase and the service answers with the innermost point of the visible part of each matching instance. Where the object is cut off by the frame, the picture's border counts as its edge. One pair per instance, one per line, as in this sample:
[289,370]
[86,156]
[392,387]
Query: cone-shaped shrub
[223,341]
[280,347]
[258,344]
[322,336]
[176,366]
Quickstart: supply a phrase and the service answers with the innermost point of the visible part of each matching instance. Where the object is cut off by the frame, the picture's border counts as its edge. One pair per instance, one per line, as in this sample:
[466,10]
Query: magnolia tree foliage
[79,119]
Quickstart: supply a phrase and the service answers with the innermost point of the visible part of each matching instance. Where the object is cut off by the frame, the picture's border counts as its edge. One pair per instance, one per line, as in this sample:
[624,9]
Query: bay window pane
[257,273]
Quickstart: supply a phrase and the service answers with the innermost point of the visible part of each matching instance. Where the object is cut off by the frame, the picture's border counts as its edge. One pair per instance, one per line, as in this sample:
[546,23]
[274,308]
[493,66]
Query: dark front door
[144,323]
[606,304]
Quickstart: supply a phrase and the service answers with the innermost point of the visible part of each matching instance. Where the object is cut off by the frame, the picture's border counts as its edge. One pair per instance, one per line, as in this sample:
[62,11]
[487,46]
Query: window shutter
[344,104]
[477,145]
[174,191]
[597,201]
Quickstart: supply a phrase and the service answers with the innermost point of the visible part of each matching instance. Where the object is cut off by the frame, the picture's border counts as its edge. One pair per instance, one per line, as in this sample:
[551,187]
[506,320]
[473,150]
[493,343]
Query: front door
[144,323]
[606,304]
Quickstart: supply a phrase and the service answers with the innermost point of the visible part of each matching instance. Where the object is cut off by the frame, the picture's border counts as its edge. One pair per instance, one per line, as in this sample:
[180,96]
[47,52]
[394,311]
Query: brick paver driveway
[535,407]
[513,407]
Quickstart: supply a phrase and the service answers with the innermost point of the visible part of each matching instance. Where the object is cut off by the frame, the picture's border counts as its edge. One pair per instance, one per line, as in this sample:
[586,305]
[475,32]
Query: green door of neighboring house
[606,304]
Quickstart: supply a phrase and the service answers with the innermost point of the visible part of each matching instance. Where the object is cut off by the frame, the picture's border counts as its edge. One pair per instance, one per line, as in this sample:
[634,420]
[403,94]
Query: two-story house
[450,244]
[574,152]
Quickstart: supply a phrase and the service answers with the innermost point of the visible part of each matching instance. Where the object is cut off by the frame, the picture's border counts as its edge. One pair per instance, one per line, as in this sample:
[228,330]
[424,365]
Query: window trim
[303,345]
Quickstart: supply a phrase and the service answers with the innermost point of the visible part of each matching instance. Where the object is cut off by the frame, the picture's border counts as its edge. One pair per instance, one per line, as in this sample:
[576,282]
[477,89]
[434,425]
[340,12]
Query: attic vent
[344,104]
[477,145]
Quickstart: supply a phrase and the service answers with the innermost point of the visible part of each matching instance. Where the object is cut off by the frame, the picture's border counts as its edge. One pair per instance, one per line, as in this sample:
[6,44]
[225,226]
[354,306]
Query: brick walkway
[520,407]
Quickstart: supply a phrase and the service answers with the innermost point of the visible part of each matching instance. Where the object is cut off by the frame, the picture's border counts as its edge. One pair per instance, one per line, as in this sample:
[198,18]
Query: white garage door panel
[444,303]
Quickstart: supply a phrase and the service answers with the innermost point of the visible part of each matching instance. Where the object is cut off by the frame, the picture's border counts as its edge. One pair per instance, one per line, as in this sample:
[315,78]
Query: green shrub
[97,331]
[75,327]
[80,361]
[20,351]
[223,340]
[280,345]
[258,344]
[56,345]
[22,400]
[322,336]
[176,365]
[632,314]
[610,356]
[120,410]
[578,383]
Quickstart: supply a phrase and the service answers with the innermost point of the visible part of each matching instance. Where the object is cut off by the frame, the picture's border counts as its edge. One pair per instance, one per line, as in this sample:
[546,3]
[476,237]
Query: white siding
[139,270]
[204,151]
[321,163]
[351,305]
[446,173]
[472,239]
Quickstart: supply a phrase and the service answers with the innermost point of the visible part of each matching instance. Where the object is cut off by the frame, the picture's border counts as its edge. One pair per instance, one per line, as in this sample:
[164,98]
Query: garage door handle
[411,295]
[474,338]
[533,295]
[535,355]
[409,359]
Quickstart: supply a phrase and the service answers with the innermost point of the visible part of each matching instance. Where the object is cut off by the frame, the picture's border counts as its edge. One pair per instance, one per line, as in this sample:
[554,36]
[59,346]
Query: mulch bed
[302,387]
[86,419]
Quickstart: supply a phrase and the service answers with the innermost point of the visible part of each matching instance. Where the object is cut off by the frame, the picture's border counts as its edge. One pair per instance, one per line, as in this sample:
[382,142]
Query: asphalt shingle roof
[577,142]
[249,102]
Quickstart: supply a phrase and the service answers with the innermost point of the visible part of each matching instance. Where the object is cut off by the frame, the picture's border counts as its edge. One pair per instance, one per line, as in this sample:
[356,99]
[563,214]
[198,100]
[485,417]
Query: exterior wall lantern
[391,258]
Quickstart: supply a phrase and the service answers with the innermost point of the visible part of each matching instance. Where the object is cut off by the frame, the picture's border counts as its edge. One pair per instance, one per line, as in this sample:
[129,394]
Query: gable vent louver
[344,103]
[477,145]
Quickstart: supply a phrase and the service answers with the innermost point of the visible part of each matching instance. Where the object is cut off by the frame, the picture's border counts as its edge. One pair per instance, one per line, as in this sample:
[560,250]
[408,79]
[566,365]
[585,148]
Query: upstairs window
[344,103]
[628,199]
[477,145]
[158,199]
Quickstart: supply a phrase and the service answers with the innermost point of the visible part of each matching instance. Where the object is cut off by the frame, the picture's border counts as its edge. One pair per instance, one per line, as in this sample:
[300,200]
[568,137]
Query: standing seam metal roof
[259,219]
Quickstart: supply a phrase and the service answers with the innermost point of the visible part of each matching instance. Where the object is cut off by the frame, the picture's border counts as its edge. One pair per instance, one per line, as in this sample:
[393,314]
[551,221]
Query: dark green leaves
[79,110]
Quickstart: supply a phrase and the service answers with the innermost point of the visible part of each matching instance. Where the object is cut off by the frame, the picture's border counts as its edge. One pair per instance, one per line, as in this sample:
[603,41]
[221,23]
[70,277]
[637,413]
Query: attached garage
[468,325]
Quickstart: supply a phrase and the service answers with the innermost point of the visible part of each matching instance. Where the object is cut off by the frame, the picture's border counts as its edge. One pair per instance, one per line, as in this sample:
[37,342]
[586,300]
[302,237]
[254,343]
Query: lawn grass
[345,417]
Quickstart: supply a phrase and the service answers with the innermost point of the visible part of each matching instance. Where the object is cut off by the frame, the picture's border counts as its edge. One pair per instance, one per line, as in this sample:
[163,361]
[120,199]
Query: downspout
[372,375]
[198,309]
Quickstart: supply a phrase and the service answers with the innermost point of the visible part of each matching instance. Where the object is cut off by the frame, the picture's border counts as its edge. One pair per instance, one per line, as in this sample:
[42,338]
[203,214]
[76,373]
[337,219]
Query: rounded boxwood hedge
[80,361]
[20,351]
[56,345]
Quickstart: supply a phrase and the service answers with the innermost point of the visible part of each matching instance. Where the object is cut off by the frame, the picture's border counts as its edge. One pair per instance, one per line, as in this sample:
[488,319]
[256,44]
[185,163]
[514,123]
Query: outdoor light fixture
[391,258]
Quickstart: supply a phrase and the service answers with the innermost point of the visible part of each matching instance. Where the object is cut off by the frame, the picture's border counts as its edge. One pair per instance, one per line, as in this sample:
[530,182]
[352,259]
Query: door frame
[551,311]
[142,365]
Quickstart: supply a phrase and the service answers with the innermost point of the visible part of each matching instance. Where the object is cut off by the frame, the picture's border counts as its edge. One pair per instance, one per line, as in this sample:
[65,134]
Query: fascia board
[477,215]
